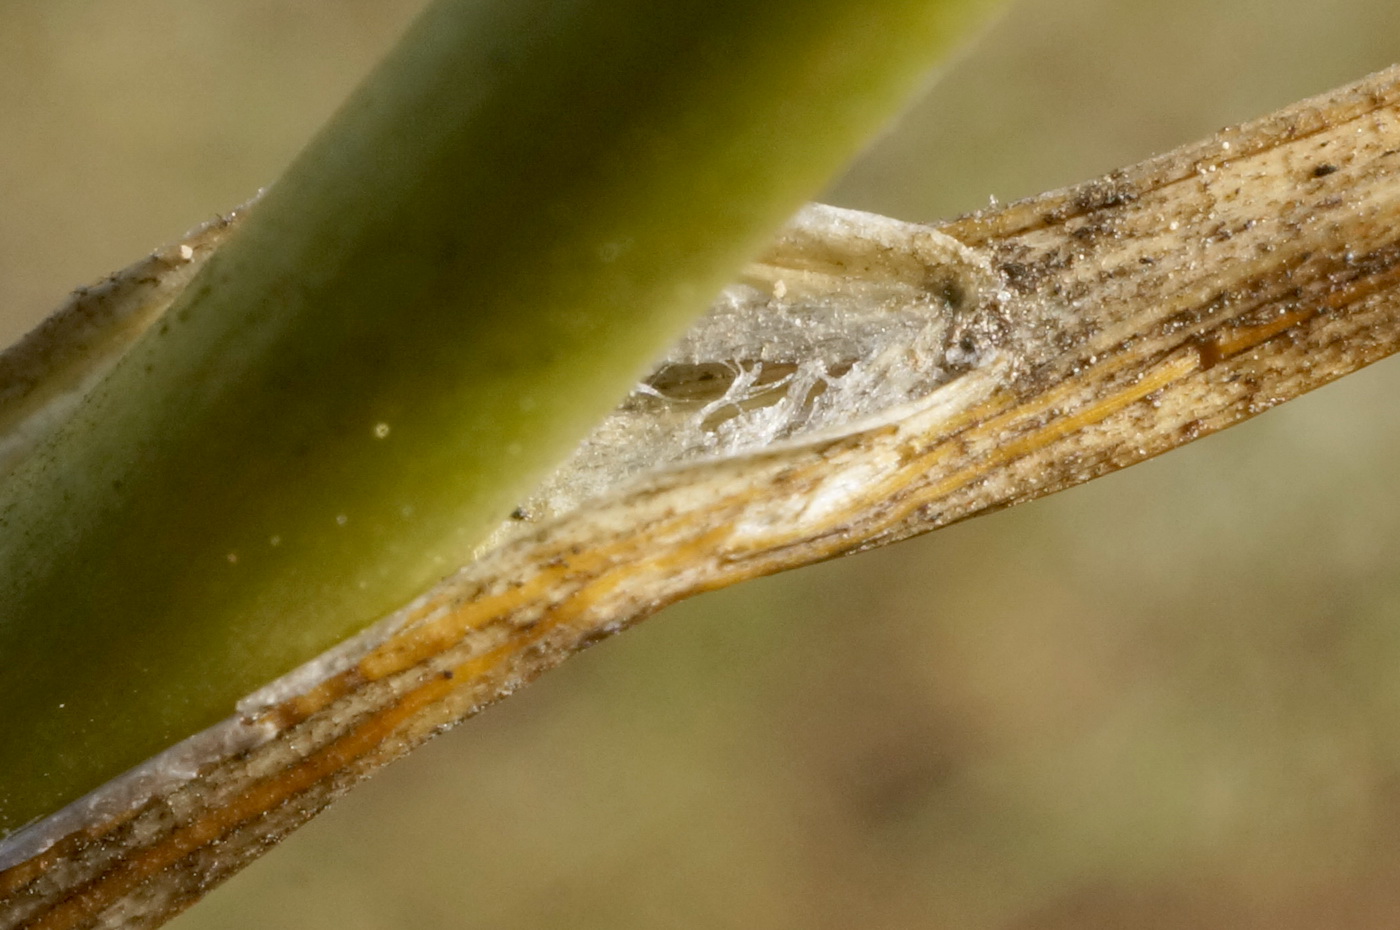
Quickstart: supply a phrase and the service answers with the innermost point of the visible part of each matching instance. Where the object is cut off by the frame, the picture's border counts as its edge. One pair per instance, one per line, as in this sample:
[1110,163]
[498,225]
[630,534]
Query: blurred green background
[1167,699]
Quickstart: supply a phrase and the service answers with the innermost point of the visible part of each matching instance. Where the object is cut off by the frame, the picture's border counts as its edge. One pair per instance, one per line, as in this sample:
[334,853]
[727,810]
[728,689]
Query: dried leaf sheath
[1131,315]
[43,376]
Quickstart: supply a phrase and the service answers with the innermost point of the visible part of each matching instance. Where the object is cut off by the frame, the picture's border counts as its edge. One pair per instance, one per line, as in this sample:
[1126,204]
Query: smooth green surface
[463,271]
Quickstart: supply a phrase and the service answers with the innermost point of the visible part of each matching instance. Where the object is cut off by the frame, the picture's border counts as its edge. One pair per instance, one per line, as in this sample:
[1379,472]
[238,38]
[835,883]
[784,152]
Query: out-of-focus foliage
[1167,699]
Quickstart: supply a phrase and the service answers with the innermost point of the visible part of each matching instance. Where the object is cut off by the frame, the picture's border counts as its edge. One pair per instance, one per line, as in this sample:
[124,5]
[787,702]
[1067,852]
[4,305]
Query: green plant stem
[459,275]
